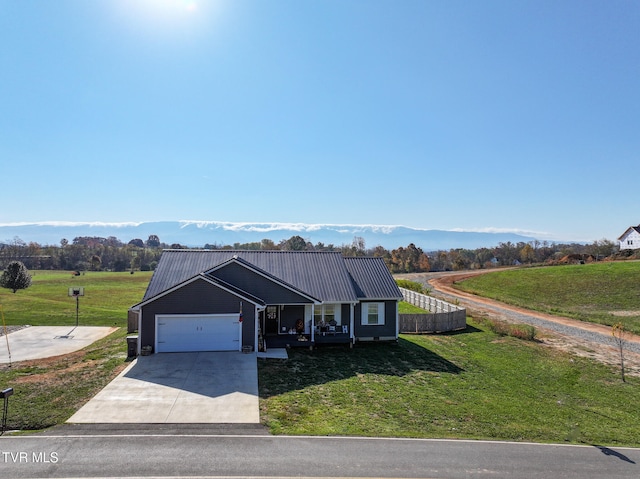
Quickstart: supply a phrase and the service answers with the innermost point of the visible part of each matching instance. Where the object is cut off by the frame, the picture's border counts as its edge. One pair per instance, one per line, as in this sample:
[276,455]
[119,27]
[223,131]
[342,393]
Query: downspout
[257,326]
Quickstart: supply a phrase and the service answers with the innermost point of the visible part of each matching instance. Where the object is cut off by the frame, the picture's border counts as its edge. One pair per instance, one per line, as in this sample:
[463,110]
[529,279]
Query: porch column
[351,321]
[313,326]
[257,326]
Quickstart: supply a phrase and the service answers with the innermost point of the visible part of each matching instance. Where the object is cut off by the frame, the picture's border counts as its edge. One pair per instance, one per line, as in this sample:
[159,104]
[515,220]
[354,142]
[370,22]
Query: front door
[272,320]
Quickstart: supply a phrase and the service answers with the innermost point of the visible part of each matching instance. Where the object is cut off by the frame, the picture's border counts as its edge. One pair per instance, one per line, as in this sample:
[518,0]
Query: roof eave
[238,292]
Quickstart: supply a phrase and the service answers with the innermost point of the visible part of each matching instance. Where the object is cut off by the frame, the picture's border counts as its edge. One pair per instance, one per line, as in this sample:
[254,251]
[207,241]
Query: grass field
[46,303]
[48,392]
[471,384]
[602,293]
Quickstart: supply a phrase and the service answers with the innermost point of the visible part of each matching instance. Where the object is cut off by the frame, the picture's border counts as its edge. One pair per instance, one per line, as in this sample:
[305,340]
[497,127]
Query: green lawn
[602,293]
[46,303]
[408,308]
[472,384]
[48,392]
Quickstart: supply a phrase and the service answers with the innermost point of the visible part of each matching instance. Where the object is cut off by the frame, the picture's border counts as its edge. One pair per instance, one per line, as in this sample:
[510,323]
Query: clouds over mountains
[199,233]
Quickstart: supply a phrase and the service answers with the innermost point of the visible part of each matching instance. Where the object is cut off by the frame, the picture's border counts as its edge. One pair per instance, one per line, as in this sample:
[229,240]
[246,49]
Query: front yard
[472,384]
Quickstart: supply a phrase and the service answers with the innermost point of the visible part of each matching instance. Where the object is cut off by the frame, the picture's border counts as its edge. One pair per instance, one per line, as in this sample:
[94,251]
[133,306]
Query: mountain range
[200,233]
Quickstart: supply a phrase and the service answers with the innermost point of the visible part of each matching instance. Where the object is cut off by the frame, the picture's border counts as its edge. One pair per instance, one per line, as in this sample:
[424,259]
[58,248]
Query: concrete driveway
[204,388]
[38,342]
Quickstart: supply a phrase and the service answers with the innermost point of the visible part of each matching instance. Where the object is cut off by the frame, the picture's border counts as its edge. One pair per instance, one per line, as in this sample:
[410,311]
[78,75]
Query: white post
[313,319]
[351,321]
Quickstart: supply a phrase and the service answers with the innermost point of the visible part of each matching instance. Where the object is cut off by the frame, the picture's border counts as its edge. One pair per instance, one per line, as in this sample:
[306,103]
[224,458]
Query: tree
[95,262]
[15,277]
[618,332]
[153,241]
[137,242]
[267,244]
[357,247]
[601,248]
[295,243]
[527,254]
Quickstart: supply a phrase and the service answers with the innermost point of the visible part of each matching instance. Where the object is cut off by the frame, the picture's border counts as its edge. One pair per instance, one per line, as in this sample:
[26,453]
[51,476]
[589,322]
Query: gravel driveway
[584,335]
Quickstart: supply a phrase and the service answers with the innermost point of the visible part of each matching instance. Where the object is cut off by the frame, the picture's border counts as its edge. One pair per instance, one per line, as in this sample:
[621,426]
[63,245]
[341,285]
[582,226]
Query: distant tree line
[110,254]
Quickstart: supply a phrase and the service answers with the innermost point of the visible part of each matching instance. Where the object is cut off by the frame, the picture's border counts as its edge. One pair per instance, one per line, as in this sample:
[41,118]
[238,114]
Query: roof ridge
[195,250]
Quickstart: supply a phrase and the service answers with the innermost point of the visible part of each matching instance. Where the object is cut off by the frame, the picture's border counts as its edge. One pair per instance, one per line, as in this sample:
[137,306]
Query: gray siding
[199,297]
[290,315]
[257,285]
[388,329]
[345,313]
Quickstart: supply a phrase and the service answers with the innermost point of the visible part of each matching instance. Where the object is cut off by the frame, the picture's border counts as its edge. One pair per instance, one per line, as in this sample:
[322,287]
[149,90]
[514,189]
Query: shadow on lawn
[331,363]
[469,329]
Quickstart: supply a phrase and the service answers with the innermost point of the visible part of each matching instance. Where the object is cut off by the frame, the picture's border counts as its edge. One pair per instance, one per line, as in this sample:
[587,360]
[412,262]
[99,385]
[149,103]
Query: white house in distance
[630,239]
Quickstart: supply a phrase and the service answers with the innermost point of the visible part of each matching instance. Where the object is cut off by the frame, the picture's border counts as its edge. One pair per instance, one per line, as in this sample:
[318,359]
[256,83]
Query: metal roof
[323,275]
[372,278]
[246,264]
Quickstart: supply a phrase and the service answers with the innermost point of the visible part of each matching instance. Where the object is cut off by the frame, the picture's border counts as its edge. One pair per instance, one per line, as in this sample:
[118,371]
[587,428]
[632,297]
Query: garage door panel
[190,333]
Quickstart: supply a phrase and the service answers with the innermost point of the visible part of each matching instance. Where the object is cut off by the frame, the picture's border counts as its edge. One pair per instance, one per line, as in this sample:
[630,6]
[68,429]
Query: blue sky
[493,115]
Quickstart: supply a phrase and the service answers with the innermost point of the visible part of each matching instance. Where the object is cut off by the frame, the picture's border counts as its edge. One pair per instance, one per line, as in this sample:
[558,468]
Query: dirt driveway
[578,337]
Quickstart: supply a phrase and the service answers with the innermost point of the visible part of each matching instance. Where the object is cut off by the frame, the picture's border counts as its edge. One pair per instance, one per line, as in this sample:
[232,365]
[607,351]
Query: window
[372,314]
[328,312]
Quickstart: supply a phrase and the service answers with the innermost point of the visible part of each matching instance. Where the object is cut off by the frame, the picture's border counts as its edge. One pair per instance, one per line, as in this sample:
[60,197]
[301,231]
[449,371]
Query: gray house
[223,300]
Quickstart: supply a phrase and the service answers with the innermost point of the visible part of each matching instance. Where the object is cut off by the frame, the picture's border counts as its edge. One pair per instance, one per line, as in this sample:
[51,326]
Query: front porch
[304,340]
[300,326]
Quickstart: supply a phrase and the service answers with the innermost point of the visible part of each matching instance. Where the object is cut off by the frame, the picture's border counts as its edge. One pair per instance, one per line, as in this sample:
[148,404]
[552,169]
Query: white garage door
[187,333]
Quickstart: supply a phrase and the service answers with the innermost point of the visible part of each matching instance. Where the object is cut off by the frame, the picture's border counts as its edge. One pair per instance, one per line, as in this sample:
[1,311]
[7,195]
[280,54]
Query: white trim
[364,316]
[351,321]
[256,320]
[313,322]
[160,317]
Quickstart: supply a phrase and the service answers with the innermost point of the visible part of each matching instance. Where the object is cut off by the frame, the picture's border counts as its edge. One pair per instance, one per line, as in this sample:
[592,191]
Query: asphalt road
[203,455]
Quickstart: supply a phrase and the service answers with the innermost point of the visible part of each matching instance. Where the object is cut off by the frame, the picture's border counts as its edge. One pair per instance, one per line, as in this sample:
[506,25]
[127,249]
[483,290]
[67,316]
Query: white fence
[443,316]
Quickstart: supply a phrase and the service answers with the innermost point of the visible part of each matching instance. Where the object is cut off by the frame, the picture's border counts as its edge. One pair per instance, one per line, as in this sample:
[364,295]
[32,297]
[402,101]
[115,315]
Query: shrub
[412,285]
[525,332]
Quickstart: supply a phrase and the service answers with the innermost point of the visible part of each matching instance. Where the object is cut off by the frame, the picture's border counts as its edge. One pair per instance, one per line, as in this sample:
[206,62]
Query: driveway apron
[204,388]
